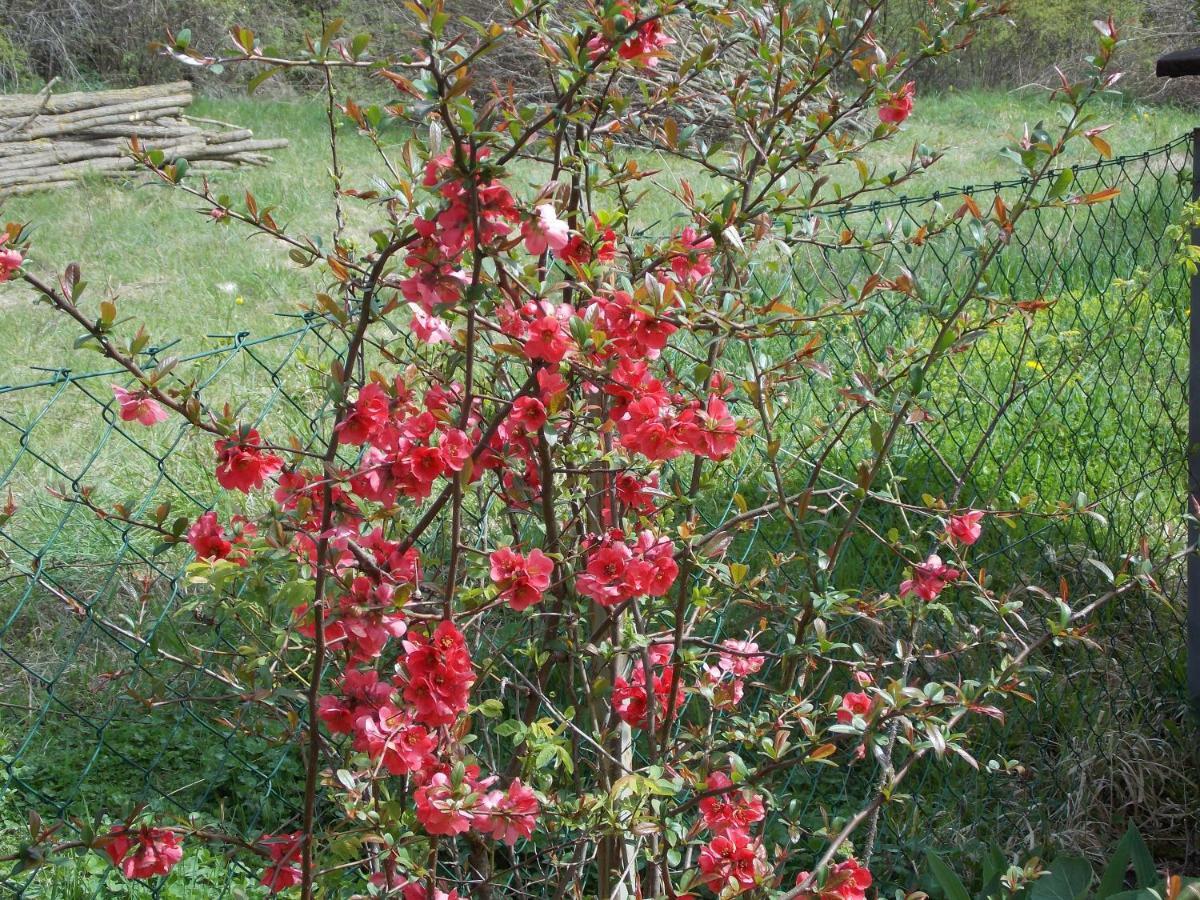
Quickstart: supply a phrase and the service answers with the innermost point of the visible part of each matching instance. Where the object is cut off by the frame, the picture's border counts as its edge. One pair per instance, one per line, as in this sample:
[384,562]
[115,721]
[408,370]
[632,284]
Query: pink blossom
[138,405]
[511,815]
[430,329]
[691,263]
[966,527]
[727,690]
[545,230]
[740,657]
[443,809]
[929,578]
[10,259]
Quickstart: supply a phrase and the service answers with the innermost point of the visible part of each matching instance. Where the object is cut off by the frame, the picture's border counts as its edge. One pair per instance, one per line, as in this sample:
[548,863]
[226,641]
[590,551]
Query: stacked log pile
[50,140]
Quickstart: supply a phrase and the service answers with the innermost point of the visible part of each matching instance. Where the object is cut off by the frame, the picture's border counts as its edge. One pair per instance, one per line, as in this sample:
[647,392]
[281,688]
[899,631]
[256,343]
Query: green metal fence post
[1183,63]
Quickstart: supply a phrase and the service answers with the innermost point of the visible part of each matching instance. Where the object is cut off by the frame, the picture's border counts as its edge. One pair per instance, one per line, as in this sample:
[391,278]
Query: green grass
[186,278]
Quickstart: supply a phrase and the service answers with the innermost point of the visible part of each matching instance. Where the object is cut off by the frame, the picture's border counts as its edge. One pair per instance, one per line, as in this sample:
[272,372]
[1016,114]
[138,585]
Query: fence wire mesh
[112,684]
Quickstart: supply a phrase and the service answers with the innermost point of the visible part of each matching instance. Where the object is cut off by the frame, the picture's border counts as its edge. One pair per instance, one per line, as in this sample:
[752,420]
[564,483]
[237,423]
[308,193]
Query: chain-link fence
[114,686]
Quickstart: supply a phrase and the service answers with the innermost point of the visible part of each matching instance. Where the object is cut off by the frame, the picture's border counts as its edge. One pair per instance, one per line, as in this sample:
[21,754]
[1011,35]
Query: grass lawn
[188,279]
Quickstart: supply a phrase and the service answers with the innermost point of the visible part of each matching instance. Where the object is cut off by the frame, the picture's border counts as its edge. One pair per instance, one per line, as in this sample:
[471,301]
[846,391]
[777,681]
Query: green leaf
[1113,880]
[994,867]
[1139,894]
[951,884]
[1143,862]
[256,82]
[1068,879]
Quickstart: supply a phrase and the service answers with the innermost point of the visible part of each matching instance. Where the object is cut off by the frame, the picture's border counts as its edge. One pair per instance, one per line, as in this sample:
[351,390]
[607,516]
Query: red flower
[691,263]
[580,251]
[155,851]
[929,578]
[391,738]
[439,675]
[898,105]
[732,860]
[242,464]
[854,704]
[522,580]
[211,541]
[966,527]
[549,339]
[529,413]
[208,538]
[507,817]
[740,658]
[616,572]
[138,405]
[444,809]
[629,697]
[284,850]
[368,414]
[847,880]
[364,694]
[645,48]
[732,810]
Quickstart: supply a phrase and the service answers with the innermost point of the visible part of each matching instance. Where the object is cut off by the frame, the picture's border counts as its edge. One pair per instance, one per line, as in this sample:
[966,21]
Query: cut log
[23,105]
[52,140]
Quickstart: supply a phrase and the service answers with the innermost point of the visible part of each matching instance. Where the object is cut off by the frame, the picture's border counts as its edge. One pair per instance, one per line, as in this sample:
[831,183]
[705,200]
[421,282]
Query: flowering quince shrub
[482,599]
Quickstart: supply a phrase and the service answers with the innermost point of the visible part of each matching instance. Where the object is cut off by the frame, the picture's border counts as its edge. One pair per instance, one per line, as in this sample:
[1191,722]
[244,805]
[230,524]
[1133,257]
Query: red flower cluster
[438,675]
[732,859]
[284,850]
[211,541]
[660,425]
[542,329]
[596,243]
[242,463]
[690,261]
[143,853]
[449,805]
[732,809]
[368,709]
[633,331]
[725,682]
[929,578]
[522,579]
[847,880]
[617,571]
[445,236]
[409,447]
[643,49]
[629,697]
